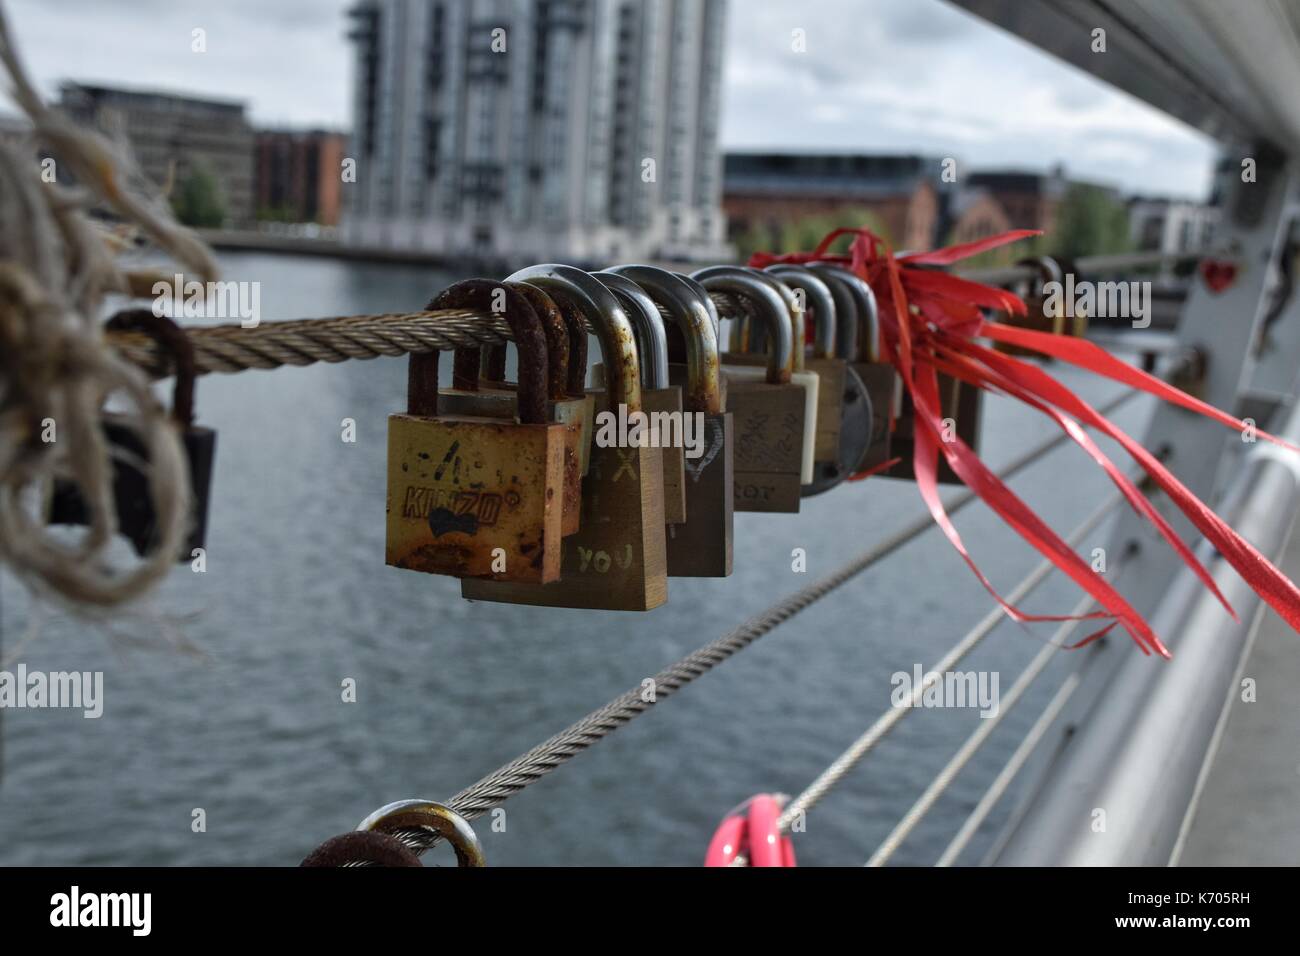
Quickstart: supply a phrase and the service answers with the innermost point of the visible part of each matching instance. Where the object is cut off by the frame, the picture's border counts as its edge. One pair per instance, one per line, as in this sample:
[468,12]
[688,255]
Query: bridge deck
[1249,810]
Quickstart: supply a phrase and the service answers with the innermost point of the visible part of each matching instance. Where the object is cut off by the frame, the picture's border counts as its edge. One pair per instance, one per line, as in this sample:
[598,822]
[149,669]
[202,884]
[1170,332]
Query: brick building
[902,192]
[298,175]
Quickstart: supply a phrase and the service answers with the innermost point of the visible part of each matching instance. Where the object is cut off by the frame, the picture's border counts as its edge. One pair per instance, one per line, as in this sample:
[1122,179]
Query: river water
[246,721]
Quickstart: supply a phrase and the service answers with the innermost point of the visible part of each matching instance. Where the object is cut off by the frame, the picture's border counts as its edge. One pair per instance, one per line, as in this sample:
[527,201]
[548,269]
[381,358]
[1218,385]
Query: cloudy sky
[877,76]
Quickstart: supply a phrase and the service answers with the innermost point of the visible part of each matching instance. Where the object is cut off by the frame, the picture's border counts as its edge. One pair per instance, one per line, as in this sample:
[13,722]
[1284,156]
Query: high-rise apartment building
[581,130]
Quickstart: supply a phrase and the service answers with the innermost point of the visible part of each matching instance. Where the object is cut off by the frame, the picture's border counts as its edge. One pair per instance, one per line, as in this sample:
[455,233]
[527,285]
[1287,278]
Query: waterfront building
[532,130]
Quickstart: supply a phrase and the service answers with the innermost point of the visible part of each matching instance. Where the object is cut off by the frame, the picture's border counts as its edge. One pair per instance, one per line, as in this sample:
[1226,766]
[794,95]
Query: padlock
[658,397]
[702,545]
[843,406]
[771,410]
[617,560]
[1040,315]
[474,496]
[481,392]
[866,351]
[132,498]
[959,402]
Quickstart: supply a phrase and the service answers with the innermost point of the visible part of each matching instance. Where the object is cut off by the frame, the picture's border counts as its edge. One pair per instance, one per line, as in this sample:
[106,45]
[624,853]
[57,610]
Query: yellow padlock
[477,497]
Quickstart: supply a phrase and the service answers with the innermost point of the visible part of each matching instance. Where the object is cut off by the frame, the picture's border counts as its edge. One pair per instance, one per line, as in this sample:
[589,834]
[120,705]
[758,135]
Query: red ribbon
[929,323]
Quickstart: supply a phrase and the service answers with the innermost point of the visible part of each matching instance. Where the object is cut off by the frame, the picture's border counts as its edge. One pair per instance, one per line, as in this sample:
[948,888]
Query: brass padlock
[480,391]
[770,411]
[658,397]
[477,497]
[617,560]
[859,339]
[843,406]
[702,545]
[132,495]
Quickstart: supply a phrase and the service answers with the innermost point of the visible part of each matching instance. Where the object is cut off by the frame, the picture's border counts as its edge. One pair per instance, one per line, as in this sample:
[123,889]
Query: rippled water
[297,597]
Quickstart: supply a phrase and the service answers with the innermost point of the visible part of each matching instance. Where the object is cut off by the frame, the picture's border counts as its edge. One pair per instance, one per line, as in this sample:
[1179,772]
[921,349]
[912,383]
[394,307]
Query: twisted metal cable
[269,345]
[233,348]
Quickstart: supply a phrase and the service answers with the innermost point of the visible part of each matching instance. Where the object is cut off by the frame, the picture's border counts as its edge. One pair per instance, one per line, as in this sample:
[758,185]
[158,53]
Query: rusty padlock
[660,401]
[477,497]
[617,560]
[769,410]
[480,391]
[702,545]
[843,406]
[132,497]
[859,339]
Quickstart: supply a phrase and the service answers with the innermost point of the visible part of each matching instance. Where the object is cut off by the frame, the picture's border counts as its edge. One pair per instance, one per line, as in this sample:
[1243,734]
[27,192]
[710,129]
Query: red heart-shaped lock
[1218,274]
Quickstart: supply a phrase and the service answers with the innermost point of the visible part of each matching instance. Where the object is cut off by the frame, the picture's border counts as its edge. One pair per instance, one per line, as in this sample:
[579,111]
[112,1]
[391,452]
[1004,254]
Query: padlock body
[880,381]
[465,493]
[659,400]
[769,444]
[702,547]
[831,381]
[617,561]
[131,497]
[853,435]
[958,401]
[500,403]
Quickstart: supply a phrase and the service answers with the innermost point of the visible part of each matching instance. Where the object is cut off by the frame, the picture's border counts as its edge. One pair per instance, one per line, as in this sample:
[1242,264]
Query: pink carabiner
[726,842]
[751,829]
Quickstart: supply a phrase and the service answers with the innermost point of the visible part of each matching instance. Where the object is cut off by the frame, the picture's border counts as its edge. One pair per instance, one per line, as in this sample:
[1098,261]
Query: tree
[198,201]
[1090,222]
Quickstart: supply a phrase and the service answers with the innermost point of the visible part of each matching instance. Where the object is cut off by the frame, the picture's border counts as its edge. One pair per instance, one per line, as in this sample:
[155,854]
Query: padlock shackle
[1049,270]
[492,358]
[867,315]
[850,312]
[482,295]
[172,340]
[557,341]
[769,305]
[817,294]
[687,304]
[647,323]
[797,329]
[709,305]
[608,320]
